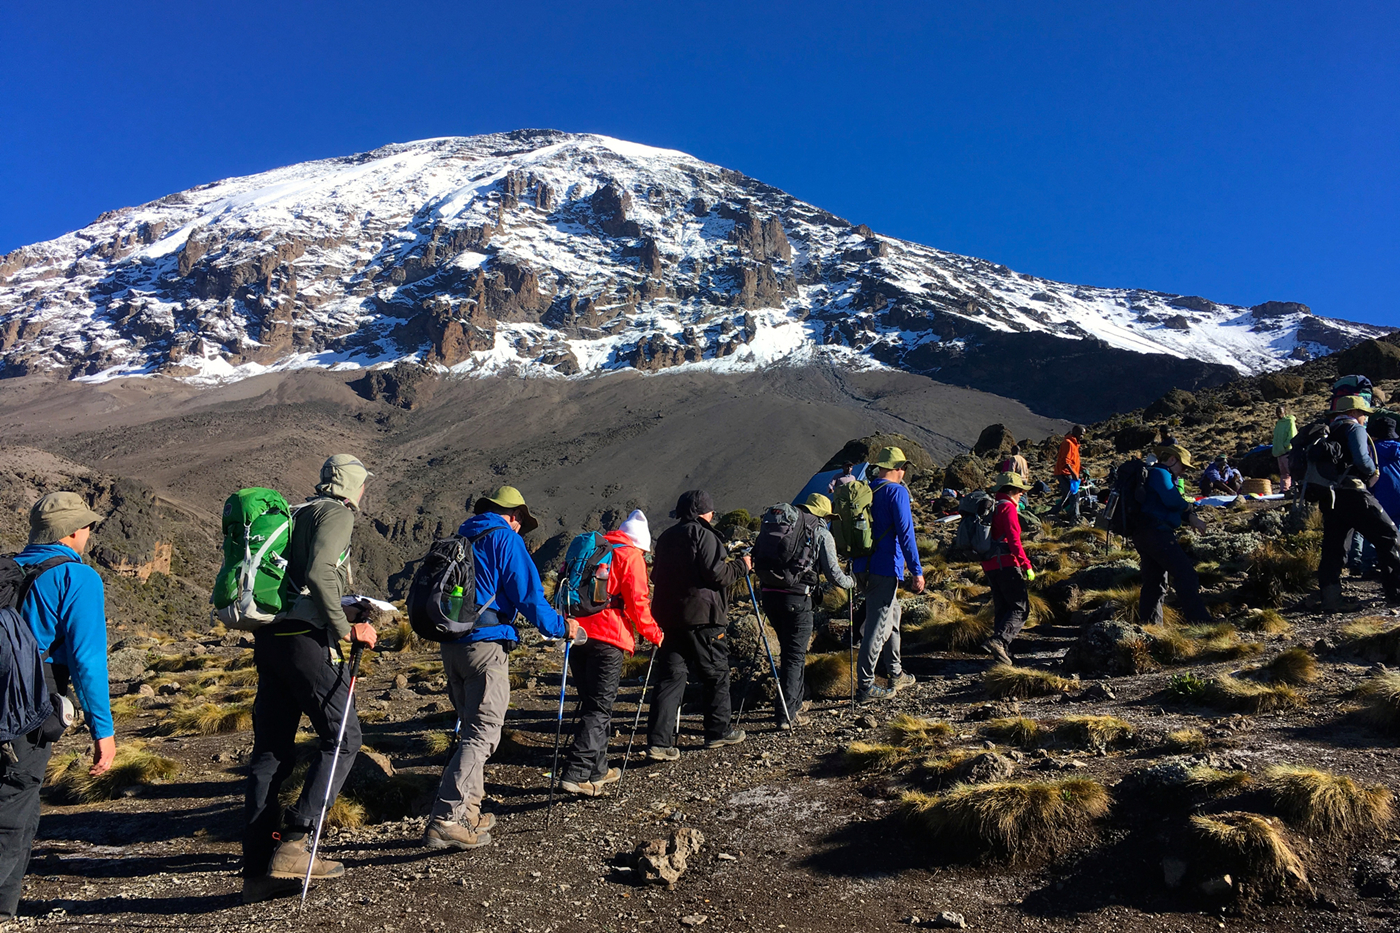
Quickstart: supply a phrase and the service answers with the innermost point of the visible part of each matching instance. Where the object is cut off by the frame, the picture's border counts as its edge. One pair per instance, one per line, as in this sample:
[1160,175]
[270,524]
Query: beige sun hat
[818,504]
[1010,481]
[508,497]
[891,458]
[1177,451]
[57,515]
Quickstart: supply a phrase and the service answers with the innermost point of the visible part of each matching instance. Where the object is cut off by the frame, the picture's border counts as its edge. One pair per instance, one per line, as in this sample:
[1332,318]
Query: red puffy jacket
[1006,529]
[628,580]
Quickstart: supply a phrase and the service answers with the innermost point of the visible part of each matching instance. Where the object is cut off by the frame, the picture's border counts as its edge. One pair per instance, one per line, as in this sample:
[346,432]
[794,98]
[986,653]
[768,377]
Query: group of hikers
[682,608]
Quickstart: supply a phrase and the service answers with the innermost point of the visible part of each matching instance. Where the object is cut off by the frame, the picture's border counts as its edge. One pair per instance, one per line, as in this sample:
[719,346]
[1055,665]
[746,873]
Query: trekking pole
[851,649]
[357,648]
[758,620]
[636,720]
[558,731]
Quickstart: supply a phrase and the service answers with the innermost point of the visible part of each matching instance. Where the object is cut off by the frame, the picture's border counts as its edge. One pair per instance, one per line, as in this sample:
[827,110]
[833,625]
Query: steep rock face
[552,254]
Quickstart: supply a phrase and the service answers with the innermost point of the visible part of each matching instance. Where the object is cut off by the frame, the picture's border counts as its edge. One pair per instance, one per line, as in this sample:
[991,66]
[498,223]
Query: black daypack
[30,697]
[785,554]
[1318,460]
[973,540]
[1122,514]
[441,600]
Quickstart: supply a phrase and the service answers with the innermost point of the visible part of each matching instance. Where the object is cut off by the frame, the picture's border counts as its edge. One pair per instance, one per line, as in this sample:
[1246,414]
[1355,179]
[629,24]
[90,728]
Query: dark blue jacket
[1164,506]
[892,525]
[67,611]
[1387,488]
[507,581]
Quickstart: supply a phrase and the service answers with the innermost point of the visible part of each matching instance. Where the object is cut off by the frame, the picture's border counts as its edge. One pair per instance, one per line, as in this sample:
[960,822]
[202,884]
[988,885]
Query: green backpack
[257,525]
[853,529]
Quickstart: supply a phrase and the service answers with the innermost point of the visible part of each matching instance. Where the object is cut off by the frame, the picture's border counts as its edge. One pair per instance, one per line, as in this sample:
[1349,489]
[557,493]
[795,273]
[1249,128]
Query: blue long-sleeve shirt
[1358,445]
[1164,506]
[1387,488]
[507,581]
[892,524]
[66,609]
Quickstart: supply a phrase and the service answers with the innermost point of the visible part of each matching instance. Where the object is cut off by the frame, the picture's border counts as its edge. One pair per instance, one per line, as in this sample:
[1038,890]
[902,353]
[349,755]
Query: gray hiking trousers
[478,680]
[879,643]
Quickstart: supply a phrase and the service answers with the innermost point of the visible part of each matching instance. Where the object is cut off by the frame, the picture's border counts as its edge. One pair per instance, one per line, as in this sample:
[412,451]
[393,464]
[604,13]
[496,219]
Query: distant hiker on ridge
[892,527]
[65,609]
[1067,473]
[477,664]
[1007,570]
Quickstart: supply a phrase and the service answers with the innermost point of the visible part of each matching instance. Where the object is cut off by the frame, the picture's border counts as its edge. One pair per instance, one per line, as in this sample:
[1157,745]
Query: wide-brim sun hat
[891,458]
[508,497]
[1177,451]
[818,504]
[1351,403]
[57,515]
[1010,481]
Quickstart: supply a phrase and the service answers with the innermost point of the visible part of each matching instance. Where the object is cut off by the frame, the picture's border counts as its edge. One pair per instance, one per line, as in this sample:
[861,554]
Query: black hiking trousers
[597,668]
[1011,603]
[704,653]
[791,615]
[1358,510]
[1164,565]
[19,814]
[296,677]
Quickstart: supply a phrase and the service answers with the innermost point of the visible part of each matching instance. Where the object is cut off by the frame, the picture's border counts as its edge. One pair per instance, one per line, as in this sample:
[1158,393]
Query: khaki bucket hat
[57,515]
[508,497]
[1177,451]
[1351,403]
[891,458]
[818,504]
[1010,481]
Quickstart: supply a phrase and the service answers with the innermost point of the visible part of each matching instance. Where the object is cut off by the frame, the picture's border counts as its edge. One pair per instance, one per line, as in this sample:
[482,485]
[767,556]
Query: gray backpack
[974,538]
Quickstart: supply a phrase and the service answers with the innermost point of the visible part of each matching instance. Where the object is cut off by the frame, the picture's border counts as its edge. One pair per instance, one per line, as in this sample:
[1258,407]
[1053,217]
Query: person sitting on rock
[1163,561]
[597,663]
[1006,571]
[1221,479]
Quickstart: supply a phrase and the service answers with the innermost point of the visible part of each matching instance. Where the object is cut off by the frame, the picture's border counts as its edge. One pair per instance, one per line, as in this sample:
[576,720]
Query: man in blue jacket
[65,608]
[1163,561]
[892,527]
[476,668]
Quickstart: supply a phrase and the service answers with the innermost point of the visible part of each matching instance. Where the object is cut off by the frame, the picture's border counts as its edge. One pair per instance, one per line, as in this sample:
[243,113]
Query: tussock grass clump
[913,732]
[399,637]
[869,756]
[829,676]
[1007,682]
[436,742]
[634,667]
[69,782]
[1275,570]
[1222,642]
[1185,741]
[1096,732]
[345,814]
[209,719]
[953,629]
[1382,696]
[1018,730]
[1014,821]
[180,663]
[1375,638]
[1268,621]
[406,793]
[1251,847]
[1247,696]
[1293,666]
[1216,782]
[1325,804]
[125,709]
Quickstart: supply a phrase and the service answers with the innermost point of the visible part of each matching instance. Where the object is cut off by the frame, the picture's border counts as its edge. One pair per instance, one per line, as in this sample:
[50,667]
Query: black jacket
[692,577]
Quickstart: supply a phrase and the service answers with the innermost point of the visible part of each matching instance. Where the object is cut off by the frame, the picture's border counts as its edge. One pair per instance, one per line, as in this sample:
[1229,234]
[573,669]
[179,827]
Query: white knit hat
[637,529]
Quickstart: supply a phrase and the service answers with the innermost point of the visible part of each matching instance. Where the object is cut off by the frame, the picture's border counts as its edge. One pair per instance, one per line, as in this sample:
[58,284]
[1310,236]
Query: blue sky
[1241,151]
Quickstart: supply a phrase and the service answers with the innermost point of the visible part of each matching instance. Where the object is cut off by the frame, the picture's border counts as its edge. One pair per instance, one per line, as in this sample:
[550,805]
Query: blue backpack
[583,583]
[28,692]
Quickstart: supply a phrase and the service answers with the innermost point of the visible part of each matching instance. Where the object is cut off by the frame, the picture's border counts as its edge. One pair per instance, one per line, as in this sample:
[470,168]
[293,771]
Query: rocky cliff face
[553,254]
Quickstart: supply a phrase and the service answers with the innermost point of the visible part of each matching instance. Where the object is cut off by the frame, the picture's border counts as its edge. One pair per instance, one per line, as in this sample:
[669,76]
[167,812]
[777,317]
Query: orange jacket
[627,580]
[1067,463]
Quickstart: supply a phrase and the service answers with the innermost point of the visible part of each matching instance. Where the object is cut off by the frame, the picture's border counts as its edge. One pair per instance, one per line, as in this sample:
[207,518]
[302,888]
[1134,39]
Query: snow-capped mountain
[556,254]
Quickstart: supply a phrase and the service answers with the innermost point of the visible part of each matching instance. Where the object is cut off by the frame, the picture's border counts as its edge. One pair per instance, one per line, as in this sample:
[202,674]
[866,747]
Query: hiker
[787,598]
[298,674]
[1387,489]
[1007,571]
[597,663]
[476,665]
[1285,429]
[845,476]
[65,609]
[1221,479]
[1163,561]
[892,528]
[692,576]
[1067,475]
[1348,504]
[1015,463]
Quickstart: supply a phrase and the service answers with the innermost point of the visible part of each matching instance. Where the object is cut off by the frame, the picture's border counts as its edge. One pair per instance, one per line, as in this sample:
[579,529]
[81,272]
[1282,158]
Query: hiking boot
[997,649]
[612,777]
[448,834]
[873,692]
[798,720]
[485,822]
[732,737]
[660,753]
[903,680]
[582,788]
[292,857]
[266,887]
[1334,602]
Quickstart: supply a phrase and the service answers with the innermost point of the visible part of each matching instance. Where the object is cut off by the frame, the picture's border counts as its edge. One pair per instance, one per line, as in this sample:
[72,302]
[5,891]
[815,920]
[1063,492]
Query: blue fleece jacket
[66,608]
[1387,488]
[507,580]
[1164,506]
[892,525]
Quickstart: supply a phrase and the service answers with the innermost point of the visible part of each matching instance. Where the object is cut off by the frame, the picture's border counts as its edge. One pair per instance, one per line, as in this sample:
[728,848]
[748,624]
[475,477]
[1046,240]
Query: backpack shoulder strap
[31,575]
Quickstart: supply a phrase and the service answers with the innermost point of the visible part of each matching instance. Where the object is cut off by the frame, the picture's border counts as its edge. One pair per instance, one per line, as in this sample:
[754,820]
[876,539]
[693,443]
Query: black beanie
[693,503]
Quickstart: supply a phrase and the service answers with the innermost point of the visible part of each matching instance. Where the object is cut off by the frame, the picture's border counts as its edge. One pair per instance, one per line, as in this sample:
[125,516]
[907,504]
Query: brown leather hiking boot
[446,834]
[485,822]
[292,857]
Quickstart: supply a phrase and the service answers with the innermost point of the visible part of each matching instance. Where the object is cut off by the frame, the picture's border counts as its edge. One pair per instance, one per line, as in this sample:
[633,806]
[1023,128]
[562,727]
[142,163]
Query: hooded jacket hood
[342,477]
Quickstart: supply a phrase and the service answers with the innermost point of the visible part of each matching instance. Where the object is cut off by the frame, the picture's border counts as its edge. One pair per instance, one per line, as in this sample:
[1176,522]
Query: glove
[1030,574]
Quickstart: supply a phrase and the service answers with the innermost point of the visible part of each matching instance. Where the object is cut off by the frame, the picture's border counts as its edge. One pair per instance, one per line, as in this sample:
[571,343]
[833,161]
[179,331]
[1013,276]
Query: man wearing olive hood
[299,674]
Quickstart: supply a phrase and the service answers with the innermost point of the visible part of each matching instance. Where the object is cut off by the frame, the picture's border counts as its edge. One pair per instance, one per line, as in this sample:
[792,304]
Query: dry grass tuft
[829,676]
[913,732]
[1250,847]
[1325,804]
[1096,732]
[1293,666]
[1216,782]
[345,814]
[1019,731]
[1249,697]
[634,666]
[1221,642]
[69,782]
[1275,570]
[1382,695]
[209,719]
[1017,822]
[1005,682]
[400,636]
[1268,621]
[952,629]
[1185,741]
[436,742]
[179,663]
[868,756]
[1375,638]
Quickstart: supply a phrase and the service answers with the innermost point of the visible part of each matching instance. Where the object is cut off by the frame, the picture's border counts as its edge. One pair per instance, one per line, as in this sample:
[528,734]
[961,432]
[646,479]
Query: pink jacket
[1006,528]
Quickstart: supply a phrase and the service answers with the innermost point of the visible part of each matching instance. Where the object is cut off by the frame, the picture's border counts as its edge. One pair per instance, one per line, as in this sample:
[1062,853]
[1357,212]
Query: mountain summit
[554,254]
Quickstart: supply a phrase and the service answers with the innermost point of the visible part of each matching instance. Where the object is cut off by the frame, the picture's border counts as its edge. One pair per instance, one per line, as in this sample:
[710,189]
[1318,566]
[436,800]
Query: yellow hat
[1177,451]
[1010,481]
[1351,403]
[508,497]
[891,458]
[818,504]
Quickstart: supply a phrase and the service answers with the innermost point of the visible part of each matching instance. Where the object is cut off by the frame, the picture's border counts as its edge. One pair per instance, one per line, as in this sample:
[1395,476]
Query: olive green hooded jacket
[318,554]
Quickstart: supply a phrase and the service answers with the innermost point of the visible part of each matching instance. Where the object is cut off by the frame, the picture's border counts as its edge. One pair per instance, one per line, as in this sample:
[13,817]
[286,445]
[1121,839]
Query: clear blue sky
[1242,151]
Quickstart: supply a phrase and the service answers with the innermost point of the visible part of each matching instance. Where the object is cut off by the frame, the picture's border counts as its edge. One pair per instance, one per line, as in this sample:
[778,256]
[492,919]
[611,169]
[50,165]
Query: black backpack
[1325,461]
[1122,514]
[30,697]
[441,600]
[785,554]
